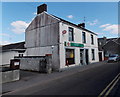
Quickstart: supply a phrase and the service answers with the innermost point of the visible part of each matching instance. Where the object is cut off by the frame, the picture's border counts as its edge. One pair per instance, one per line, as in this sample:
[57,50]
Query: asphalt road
[90,82]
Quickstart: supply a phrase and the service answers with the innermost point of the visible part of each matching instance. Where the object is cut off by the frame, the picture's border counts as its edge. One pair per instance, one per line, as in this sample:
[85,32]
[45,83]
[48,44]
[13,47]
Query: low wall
[30,63]
[0,84]
[12,75]
[36,63]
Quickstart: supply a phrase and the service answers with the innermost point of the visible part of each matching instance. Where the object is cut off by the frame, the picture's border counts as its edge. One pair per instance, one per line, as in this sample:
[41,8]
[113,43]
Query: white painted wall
[77,39]
[96,55]
[58,51]
[7,56]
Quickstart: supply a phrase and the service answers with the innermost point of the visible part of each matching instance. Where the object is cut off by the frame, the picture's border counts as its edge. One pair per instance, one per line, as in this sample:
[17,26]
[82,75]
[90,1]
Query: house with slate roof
[108,46]
[69,44]
[8,52]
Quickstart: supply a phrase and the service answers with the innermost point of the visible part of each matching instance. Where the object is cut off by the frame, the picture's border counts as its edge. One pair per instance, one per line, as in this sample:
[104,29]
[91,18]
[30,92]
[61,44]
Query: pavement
[29,79]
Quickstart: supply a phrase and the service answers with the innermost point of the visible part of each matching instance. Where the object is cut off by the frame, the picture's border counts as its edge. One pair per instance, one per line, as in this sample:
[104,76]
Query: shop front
[70,55]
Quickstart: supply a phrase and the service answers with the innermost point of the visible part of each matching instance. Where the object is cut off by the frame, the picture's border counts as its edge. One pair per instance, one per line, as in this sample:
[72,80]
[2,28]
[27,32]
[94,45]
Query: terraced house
[68,43]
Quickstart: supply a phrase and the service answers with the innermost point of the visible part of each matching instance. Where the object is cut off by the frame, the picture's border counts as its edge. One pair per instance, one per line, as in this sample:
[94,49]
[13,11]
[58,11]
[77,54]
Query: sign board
[73,44]
[64,32]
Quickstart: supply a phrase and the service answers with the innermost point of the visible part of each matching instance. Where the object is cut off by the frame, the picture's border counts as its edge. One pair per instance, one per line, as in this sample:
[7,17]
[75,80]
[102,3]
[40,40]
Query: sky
[100,17]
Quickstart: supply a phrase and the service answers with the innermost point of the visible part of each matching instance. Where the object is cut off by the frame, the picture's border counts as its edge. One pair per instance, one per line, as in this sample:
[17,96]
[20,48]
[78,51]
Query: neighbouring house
[112,46]
[101,43]
[108,46]
[69,44]
[7,52]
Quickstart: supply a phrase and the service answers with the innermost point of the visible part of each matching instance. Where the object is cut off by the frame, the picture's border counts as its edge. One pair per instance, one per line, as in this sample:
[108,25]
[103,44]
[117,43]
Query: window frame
[69,59]
[92,39]
[84,37]
[71,34]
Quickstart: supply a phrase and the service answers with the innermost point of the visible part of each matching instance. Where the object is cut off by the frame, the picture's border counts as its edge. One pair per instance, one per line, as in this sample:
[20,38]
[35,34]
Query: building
[7,52]
[112,46]
[101,43]
[108,46]
[69,44]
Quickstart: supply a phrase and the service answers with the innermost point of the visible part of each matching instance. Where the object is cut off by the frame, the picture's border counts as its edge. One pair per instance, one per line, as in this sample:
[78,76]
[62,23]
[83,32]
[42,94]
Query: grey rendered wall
[43,31]
[41,35]
[42,51]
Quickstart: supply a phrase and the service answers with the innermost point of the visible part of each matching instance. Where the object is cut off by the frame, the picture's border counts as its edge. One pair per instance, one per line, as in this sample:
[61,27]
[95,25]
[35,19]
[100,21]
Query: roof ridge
[18,45]
[13,43]
[73,24]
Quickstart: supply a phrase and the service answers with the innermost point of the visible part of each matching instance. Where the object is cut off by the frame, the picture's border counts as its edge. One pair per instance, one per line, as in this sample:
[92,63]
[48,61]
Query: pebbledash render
[68,43]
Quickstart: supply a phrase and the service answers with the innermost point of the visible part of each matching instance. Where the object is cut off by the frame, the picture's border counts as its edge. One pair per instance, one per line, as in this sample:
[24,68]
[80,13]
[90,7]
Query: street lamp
[52,47]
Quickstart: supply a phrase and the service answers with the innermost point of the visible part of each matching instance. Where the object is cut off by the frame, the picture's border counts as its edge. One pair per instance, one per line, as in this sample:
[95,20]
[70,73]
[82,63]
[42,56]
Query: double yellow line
[108,89]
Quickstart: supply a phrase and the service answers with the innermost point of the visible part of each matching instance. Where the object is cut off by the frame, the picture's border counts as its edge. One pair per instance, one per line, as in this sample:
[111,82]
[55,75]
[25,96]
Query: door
[82,56]
[100,56]
[86,56]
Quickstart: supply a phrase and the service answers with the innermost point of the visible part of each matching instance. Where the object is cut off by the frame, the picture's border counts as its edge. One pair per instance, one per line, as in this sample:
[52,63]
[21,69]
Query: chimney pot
[81,25]
[41,8]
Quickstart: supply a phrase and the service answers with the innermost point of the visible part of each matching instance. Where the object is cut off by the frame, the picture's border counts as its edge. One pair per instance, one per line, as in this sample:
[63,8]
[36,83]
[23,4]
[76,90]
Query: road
[89,82]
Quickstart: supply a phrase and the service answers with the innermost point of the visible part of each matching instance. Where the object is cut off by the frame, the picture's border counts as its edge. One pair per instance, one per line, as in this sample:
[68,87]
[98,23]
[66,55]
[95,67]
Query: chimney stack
[41,8]
[81,25]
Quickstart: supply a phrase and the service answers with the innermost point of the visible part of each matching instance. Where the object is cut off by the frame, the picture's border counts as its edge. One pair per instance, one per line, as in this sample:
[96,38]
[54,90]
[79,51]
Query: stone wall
[30,63]
[36,63]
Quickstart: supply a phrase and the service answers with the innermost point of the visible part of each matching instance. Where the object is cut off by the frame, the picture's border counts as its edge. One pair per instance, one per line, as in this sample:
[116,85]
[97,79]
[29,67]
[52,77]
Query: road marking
[117,77]
[112,87]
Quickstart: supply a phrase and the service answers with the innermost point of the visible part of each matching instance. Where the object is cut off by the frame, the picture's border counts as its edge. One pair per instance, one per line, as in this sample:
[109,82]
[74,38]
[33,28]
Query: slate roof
[16,46]
[113,46]
[105,41]
[115,40]
[74,24]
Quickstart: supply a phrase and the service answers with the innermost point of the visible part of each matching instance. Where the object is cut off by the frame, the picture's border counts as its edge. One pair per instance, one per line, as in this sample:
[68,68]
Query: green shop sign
[73,44]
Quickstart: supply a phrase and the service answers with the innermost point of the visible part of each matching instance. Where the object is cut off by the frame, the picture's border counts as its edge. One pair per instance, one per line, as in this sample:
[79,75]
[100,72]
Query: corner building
[68,43]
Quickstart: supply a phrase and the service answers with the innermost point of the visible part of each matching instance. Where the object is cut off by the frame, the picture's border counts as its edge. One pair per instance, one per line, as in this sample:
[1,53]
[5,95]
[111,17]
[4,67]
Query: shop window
[93,54]
[70,57]
[84,37]
[92,39]
[71,34]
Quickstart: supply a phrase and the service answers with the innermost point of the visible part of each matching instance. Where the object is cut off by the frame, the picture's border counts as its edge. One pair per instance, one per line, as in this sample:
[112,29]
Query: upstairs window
[92,39]
[84,37]
[71,34]
[93,54]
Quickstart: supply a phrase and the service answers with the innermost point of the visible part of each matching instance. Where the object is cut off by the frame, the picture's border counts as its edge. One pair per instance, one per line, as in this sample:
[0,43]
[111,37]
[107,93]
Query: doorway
[100,56]
[84,57]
